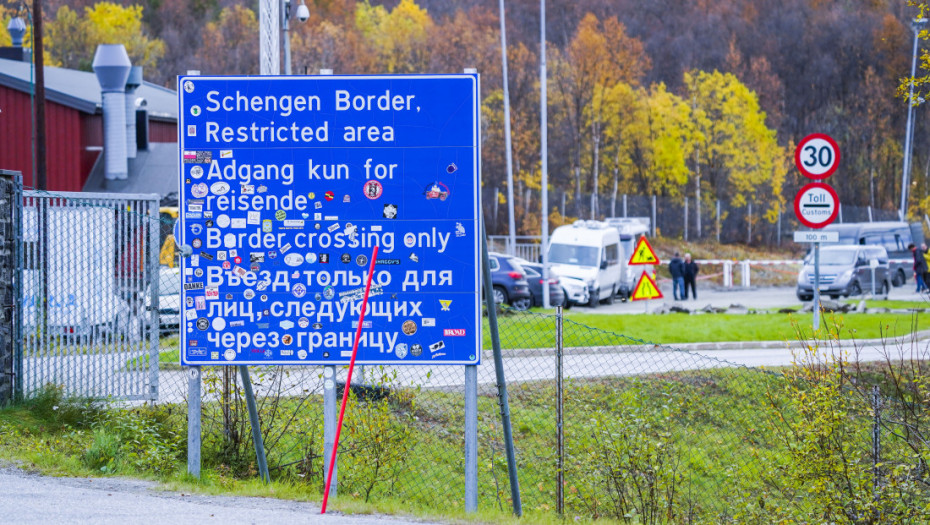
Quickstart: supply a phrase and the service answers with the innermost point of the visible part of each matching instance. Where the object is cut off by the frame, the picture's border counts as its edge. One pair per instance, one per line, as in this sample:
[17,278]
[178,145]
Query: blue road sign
[287,184]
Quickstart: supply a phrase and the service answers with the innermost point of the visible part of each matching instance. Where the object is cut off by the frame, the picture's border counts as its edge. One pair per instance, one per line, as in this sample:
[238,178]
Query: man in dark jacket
[689,273]
[677,268]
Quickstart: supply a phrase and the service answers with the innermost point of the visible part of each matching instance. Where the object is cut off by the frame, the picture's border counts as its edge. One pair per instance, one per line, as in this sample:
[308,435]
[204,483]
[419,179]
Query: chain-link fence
[648,433]
[677,218]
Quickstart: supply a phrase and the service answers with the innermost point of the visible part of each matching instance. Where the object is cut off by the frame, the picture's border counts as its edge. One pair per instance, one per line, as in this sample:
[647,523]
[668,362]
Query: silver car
[846,271]
[169,298]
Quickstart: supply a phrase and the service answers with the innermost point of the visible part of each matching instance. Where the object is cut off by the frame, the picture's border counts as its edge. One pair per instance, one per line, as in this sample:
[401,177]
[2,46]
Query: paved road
[32,499]
[757,298]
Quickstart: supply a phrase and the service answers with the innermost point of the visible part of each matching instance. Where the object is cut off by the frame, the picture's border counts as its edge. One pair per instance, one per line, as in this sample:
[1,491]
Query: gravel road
[27,498]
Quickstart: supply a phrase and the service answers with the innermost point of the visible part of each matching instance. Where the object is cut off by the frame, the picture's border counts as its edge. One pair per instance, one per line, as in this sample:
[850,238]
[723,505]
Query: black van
[893,236]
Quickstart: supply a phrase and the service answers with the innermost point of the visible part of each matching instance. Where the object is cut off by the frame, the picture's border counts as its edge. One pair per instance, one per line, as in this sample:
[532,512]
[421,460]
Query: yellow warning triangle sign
[646,289]
[643,254]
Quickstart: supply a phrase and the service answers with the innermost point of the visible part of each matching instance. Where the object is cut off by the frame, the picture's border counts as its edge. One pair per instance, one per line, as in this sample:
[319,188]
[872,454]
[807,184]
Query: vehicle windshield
[573,254]
[838,257]
[169,283]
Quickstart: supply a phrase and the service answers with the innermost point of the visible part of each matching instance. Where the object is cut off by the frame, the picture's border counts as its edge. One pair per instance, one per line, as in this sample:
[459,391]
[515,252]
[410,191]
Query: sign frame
[812,186]
[805,144]
[461,339]
[643,244]
[643,279]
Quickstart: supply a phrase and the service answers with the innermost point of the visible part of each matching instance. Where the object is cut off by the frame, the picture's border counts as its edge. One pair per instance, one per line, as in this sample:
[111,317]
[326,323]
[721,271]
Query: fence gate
[89,274]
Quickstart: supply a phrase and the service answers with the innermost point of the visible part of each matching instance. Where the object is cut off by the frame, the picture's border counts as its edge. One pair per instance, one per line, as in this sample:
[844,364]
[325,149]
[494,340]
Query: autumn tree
[72,39]
[230,45]
[739,158]
[598,56]
[398,37]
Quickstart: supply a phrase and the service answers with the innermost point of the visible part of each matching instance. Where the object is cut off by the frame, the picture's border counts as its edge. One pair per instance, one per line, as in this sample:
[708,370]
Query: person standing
[689,273]
[920,267]
[677,268]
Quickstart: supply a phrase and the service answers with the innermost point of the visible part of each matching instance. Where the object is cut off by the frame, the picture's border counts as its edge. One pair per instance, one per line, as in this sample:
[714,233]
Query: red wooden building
[74,126]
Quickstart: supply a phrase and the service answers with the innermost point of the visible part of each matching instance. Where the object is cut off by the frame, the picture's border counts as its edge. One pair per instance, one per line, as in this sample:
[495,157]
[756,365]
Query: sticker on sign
[816,205]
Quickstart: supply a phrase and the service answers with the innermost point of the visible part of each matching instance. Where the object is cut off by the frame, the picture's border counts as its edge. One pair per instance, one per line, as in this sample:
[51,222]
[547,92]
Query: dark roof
[152,171]
[80,90]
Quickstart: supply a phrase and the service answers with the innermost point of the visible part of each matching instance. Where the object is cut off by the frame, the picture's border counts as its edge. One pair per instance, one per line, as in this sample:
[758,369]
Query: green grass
[699,421]
[536,330]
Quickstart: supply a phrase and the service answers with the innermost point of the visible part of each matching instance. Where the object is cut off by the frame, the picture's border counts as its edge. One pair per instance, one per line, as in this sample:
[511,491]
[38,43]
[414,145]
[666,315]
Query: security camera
[302,12]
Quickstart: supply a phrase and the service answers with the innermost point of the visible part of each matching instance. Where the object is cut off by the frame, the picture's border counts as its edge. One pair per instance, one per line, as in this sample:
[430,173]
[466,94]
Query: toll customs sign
[287,183]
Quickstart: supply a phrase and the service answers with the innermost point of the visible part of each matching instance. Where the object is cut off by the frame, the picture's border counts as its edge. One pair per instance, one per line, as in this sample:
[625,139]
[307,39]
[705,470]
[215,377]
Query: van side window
[612,253]
[900,245]
[493,264]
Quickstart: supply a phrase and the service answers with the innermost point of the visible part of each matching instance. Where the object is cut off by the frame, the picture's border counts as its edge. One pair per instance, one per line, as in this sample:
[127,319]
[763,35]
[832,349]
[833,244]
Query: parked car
[535,279]
[894,236]
[846,270]
[509,281]
[169,298]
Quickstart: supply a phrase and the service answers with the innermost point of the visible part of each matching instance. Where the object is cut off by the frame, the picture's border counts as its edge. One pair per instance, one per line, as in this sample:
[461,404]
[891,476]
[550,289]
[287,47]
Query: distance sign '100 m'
[287,183]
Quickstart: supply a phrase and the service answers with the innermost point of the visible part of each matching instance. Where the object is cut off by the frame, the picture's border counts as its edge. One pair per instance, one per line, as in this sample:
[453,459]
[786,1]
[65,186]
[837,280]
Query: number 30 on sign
[817,156]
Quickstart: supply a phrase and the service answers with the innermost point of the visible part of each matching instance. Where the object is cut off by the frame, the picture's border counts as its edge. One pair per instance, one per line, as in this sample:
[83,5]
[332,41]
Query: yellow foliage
[398,38]
[72,40]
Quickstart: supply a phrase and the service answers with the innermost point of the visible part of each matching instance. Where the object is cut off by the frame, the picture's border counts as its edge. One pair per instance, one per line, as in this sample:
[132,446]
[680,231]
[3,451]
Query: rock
[860,308]
[713,310]
[788,310]
[737,309]
[678,309]
[834,306]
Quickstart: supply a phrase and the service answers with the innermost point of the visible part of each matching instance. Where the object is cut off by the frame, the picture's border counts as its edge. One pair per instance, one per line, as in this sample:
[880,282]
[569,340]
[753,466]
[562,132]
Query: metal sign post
[816,286]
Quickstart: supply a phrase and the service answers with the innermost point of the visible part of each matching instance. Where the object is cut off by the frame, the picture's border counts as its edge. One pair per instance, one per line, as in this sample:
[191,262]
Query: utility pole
[41,167]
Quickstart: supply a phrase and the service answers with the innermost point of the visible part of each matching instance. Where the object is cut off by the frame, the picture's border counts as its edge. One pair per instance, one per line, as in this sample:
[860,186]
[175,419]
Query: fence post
[869,209]
[718,221]
[876,445]
[745,271]
[749,226]
[686,219]
[560,476]
[728,274]
[653,215]
[779,228]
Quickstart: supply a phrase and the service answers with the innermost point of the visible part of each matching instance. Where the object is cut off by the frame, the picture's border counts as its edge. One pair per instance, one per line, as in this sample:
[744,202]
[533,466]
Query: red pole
[345,392]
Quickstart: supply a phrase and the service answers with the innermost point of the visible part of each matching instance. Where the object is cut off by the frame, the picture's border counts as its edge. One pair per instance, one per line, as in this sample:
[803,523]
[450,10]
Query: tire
[593,300]
[805,297]
[522,305]
[854,289]
[500,295]
[899,278]
[835,296]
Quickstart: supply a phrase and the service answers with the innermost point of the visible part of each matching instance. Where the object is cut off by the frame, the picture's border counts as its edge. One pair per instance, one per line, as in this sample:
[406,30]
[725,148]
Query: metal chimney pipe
[112,66]
[134,81]
[17,29]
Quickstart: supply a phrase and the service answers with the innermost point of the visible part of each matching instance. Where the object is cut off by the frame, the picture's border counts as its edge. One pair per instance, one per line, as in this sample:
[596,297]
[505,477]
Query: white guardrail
[746,265]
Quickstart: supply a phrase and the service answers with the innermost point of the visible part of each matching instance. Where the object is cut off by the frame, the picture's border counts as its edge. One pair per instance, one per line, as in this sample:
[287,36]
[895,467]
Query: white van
[590,251]
[631,229]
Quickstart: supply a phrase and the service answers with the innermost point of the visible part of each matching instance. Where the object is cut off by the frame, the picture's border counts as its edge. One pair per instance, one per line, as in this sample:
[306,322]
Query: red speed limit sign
[817,156]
